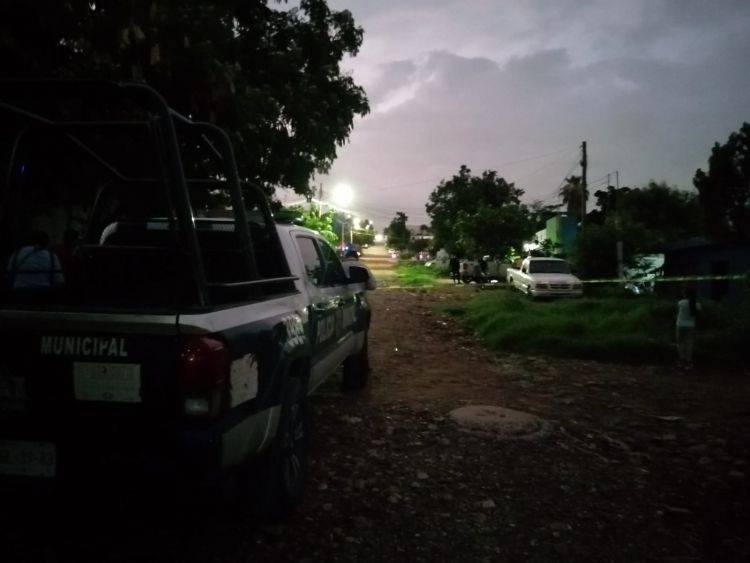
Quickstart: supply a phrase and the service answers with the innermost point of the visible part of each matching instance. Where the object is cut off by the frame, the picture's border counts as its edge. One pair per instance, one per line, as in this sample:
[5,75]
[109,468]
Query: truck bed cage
[27,103]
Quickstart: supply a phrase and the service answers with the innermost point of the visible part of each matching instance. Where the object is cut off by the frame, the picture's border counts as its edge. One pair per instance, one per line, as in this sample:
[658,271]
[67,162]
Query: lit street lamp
[343,195]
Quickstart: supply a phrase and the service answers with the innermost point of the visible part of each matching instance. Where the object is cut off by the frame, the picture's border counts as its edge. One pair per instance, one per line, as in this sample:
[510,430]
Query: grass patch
[410,273]
[609,329]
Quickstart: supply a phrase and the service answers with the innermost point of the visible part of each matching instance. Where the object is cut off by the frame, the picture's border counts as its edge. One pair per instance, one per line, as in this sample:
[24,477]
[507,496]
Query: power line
[541,168]
[556,191]
[441,179]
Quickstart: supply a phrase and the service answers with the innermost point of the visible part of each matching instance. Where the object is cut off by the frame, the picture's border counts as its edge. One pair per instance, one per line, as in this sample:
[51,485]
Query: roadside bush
[608,329]
[411,273]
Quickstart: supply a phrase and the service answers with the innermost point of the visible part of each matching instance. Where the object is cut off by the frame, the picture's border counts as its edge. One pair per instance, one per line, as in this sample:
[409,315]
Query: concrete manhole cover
[500,422]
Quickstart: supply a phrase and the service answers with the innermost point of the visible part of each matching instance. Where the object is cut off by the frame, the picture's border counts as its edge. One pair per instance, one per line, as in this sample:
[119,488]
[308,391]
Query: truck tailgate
[71,395]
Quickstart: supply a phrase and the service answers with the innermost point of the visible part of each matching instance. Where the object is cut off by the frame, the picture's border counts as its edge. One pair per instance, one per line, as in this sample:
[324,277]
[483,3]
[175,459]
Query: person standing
[65,250]
[455,267]
[484,265]
[352,260]
[478,275]
[35,265]
[688,310]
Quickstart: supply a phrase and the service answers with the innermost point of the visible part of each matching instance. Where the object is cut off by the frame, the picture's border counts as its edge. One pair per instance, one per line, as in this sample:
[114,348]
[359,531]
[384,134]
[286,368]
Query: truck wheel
[273,485]
[357,369]
[466,278]
[529,294]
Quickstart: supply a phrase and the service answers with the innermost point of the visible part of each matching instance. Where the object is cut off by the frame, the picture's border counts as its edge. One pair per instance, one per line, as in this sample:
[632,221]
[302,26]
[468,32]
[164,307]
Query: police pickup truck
[189,327]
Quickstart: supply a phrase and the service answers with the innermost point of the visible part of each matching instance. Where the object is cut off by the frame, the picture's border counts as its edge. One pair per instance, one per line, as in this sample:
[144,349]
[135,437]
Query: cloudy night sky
[649,84]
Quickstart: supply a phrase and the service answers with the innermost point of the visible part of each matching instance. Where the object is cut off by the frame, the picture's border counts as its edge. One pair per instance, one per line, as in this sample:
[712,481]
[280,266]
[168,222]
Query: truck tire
[357,369]
[272,486]
[466,278]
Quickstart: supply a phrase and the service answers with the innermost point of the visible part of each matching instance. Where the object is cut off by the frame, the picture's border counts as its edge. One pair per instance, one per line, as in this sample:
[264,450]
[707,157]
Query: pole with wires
[584,189]
[620,264]
[584,195]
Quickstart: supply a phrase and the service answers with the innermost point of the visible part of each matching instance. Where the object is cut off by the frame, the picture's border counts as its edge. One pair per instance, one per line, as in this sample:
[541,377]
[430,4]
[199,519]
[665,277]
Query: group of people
[39,265]
[478,273]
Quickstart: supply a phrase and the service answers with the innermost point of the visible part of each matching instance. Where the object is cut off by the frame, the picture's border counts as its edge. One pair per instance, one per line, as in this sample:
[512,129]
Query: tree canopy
[645,219]
[364,233]
[397,233]
[725,189]
[572,195]
[317,221]
[270,77]
[479,214]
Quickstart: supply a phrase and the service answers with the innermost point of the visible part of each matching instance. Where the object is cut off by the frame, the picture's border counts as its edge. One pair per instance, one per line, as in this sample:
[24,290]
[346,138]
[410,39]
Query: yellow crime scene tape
[614,280]
[672,279]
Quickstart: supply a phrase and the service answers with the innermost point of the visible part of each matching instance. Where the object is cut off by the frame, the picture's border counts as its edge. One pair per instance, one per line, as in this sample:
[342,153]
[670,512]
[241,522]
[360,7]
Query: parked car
[180,349]
[545,277]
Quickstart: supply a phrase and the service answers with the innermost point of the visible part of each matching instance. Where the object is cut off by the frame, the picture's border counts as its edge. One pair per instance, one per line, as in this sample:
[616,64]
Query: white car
[545,277]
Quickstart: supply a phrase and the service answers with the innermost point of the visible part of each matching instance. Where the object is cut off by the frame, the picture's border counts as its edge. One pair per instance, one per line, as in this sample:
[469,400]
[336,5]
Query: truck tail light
[466,266]
[204,369]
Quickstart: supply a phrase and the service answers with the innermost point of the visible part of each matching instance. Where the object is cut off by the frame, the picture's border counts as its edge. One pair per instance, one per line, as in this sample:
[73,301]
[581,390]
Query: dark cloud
[649,84]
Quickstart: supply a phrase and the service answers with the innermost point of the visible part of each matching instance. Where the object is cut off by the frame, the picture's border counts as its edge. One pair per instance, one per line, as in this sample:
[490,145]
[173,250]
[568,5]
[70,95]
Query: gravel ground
[642,464]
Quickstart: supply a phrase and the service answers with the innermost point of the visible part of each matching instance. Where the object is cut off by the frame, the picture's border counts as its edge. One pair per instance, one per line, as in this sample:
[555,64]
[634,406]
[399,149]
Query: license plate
[120,383]
[27,459]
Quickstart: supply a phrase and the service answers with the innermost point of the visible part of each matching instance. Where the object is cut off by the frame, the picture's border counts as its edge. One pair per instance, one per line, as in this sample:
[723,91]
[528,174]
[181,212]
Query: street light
[343,195]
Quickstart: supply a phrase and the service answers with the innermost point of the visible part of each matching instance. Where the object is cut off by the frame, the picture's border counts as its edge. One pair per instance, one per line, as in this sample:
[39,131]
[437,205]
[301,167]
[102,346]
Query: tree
[572,195]
[476,203]
[397,233]
[493,231]
[270,77]
[724,190]
[365,234]
[320,222]
[645,219]
[418,245]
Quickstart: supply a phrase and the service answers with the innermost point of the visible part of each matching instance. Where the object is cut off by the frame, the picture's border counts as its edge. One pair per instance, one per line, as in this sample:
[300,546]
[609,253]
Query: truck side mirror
[358,274]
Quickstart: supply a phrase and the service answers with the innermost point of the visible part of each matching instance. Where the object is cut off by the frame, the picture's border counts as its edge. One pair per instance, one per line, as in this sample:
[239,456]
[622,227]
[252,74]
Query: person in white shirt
[352,260]
[35,265]
[687,313]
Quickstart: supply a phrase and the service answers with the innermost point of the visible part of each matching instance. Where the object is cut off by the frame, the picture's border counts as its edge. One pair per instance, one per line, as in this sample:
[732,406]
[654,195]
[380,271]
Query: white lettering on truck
[83,346]
[341,320]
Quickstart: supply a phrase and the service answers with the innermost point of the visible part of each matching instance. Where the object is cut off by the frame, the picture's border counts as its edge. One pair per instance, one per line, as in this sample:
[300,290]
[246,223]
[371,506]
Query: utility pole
[620,266]
[584,193]
[584,188]
[320,200]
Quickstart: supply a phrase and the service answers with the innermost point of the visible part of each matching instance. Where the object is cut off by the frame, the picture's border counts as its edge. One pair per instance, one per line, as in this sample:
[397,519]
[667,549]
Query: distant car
[391,251]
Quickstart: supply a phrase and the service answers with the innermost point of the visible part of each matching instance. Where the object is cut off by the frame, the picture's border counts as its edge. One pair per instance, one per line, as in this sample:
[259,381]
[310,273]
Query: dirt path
[643,464]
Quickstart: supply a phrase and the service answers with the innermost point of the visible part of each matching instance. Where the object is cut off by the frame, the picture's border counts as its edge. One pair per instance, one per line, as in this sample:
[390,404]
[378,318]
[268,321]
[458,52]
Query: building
[561,230]
[702,257]
[420,232]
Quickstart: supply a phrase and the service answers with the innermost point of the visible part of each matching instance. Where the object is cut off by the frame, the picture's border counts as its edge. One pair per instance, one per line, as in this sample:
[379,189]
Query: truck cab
[179,343]
[545,277]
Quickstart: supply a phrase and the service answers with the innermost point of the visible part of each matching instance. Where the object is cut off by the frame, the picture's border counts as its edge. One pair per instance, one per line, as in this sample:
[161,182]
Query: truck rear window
[548,267]
[75,235]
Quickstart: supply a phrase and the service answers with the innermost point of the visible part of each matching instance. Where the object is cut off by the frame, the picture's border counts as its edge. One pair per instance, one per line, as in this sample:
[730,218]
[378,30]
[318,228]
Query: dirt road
[642,464]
